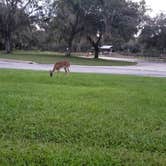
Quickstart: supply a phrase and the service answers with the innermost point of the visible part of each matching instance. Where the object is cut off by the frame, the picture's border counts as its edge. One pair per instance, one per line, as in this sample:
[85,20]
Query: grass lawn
[81,119]
[52,57]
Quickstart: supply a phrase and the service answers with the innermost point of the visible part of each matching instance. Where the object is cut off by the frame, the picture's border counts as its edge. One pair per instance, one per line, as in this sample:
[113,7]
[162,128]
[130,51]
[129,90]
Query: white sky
[156,5]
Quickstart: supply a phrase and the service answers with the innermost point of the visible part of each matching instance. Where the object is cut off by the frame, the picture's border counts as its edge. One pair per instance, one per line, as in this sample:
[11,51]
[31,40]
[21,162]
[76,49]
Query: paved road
[142,69]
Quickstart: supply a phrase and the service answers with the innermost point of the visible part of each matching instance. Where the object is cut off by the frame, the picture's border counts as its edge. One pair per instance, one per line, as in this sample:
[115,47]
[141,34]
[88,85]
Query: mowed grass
[81,119]
[52,57]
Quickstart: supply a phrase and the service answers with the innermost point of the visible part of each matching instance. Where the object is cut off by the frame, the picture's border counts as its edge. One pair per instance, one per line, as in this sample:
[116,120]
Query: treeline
[79,25]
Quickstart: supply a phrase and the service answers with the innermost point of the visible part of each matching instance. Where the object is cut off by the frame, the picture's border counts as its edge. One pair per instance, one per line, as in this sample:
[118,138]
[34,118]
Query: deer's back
[62,64]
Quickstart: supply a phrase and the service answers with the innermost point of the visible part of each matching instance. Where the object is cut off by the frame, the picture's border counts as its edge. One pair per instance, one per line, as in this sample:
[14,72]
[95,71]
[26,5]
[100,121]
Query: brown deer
[61,64]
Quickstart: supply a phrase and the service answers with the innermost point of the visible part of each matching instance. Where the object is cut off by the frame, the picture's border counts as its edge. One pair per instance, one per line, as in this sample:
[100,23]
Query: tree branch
[24,7]
[91,41]
[99,38]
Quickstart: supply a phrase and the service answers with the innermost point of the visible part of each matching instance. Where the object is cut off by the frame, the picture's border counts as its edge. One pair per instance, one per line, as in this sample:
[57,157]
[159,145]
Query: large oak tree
[13,15]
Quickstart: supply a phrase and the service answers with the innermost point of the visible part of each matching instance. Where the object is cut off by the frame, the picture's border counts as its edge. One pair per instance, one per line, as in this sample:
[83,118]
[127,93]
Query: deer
[61,64]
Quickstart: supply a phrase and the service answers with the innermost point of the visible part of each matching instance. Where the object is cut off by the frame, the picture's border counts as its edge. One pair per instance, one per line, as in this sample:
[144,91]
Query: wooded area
[80,25]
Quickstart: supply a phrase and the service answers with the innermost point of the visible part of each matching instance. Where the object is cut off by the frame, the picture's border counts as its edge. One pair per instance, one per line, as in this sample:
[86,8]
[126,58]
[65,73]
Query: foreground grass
[51,57]
[81,119]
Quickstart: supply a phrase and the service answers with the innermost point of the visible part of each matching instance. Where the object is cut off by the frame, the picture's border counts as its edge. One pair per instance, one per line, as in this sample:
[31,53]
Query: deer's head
[51,73]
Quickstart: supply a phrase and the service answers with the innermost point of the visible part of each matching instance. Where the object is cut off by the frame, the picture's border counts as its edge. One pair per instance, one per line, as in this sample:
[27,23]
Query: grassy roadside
[81,119]
[51,57]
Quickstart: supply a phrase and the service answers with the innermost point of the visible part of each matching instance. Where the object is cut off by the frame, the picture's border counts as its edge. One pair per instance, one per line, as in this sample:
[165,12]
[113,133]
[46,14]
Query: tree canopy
[14,14]
[75,25]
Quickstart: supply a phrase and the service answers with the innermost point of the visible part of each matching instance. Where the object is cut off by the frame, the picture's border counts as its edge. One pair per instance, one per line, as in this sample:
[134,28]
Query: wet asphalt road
[151,69]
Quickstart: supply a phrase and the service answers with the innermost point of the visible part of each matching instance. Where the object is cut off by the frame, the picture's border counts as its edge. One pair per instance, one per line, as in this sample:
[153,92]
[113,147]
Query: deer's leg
[68,70]
[65,70]
[56,72]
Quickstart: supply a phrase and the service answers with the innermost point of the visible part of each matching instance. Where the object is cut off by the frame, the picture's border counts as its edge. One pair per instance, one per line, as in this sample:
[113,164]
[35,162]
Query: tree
[68,21]
[122,20]
[153,34]
[13,15]
[115,21]
[111,21]
[95,25]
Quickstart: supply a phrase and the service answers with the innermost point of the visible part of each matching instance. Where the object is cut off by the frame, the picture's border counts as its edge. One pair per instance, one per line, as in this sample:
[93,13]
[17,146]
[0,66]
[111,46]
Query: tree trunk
[8,44]
[69,49]
[95,45]
[68,53]
[96,52]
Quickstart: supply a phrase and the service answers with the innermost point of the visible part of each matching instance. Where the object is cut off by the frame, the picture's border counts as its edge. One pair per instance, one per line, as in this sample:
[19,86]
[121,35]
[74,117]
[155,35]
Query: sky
[157,6]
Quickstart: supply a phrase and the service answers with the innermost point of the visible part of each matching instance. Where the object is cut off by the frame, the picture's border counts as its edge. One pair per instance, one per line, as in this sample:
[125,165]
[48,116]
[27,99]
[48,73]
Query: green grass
[51,57]
[81,119]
